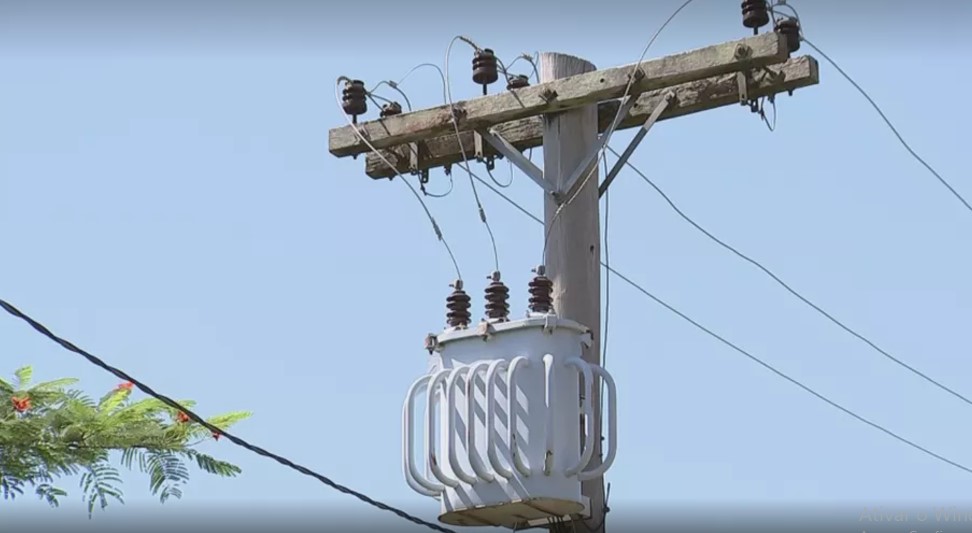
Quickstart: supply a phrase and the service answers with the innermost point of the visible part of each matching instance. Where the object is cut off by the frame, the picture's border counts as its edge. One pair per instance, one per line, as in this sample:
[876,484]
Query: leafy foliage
[49,431]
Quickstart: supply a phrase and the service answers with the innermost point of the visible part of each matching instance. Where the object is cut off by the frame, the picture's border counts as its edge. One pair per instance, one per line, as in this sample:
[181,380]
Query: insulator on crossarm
[541,292]
[391,109]
[790,28]
[497,299]
[458,305]
[518,81]
[354,99]
[755,14]
[485,68]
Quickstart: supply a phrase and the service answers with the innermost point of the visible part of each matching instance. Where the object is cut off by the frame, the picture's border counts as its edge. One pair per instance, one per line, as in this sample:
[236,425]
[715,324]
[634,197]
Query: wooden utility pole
[565,114]
[573,256]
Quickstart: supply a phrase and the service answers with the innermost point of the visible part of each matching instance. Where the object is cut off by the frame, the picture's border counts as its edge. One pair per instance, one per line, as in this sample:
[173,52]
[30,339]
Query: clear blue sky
[167,202]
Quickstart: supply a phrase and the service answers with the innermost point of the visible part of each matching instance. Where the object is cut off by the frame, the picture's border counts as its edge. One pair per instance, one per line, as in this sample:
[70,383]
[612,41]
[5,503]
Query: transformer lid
[533,321]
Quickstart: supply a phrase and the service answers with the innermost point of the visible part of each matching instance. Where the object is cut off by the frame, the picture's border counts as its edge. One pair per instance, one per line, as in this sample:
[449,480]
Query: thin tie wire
[396,85]
[462,150]
[435,225]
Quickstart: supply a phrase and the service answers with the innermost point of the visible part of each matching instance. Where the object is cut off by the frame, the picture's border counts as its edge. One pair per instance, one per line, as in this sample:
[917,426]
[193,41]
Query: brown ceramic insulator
[354,99]
[755,13]
[458,305]
[790,28]
[391,109]
[497,299]
[541,294]
[485,68]
[518,81]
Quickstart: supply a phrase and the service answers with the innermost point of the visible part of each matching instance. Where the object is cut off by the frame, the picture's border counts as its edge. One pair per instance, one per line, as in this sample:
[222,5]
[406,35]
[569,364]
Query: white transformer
[501,427]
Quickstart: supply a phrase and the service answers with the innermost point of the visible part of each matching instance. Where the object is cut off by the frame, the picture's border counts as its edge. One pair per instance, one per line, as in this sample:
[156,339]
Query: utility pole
[573,247]
[571,114]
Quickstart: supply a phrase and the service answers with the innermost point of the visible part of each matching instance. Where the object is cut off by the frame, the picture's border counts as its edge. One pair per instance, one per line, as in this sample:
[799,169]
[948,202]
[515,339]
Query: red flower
[182,417]
[126,386]
[215,436]
[20,404]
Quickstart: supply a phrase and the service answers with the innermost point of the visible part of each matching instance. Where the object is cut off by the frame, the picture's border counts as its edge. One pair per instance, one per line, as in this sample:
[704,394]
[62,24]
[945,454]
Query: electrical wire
[529,59]
[435,225]
[43,330]
[396,85]
[607,283]
[496,181]
[607,321]
[736,348]
[786,377]
[439,195]
[612,128]
[891,126]
[762,112]
[790,289]
[462,150]
[877,108]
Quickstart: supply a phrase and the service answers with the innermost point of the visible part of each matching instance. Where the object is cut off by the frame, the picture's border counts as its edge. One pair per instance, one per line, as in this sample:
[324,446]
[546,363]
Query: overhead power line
[783,4]
[43,330]
[749,355]
[790,289]
[891,126]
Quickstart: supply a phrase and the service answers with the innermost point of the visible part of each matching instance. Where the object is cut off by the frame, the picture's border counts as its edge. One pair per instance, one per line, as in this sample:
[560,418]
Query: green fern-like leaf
[99,483]
[109,402]
[11,487]
[226,420]
[142,408]
[79,398]
[24,375]
[67,433]
[53,385]
[50,494]
[167,473]
[129,455]
[212,465]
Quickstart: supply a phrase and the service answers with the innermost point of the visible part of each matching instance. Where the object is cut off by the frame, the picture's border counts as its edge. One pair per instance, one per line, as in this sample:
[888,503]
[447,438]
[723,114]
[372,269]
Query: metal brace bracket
[431,343]
[633,145]
[587,339]
[549,324]
[742,82]
[516,157]
[591,156]
[485,330]
[416,152]
[480,152]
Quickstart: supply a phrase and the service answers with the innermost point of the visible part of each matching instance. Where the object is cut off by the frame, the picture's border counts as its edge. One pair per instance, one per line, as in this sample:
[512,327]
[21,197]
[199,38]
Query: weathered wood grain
[573,255]
[691,97]
[574,91]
